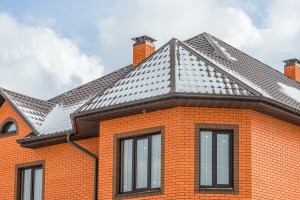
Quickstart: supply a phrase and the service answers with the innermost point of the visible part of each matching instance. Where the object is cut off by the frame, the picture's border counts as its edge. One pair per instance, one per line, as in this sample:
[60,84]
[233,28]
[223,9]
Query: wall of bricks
[141,52]
[292,72]
[68,172]
[275,158]
[268,156]
[179,126]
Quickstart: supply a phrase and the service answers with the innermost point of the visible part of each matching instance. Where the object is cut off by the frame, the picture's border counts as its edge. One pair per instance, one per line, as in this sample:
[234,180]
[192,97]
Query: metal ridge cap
[197,54]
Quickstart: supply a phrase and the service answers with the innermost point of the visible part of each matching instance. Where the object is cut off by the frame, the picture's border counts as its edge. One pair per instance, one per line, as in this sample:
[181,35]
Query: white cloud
[37,62]
[273,42]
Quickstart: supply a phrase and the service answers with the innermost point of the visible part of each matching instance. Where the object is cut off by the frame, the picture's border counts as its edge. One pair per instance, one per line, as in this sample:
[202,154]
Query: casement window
[216,159]
[140,164]
[30,183]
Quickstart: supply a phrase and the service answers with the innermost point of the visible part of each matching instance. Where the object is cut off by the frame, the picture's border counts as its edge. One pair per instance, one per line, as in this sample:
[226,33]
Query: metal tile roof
[173,68]
[252,70]
[53,116]
[149,79]
[35,110]
[200,65]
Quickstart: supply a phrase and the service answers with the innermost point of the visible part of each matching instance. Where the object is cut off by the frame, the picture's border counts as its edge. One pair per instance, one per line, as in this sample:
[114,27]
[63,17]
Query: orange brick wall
[141,52]
[268,156]
[275,159]
[292,72]
[179,146]
[68,172]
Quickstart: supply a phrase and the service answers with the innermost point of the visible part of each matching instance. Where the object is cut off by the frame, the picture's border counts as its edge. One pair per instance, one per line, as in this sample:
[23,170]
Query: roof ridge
[106,75]
[17,93]
[243,84]
[281,74]
[133,68]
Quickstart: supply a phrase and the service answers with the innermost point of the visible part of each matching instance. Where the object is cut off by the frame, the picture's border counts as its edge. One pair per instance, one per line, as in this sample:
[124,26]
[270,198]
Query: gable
[8,111]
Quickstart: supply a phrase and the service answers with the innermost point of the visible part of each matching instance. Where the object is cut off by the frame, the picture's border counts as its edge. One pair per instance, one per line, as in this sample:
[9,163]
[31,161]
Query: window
[216,154]
[9,127]
[140,164]
[31,183]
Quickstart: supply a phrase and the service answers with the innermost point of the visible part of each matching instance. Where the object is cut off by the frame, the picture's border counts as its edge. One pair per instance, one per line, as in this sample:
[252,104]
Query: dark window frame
[118,137]
[234,128]
[4,125]
[7,126]
[18,176]
[214,159]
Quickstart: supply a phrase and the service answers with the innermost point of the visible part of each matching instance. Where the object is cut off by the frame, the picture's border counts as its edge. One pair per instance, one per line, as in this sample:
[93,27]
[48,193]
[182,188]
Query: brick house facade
[262,118]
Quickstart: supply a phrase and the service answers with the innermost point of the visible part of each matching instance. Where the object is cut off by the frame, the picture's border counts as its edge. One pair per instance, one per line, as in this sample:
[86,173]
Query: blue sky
[48,47]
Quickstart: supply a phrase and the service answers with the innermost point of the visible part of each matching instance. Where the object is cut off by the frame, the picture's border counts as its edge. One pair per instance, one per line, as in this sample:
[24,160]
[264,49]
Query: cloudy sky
[48,47]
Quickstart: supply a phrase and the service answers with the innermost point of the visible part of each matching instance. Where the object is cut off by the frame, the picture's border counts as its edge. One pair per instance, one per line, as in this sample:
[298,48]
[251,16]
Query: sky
[49,47]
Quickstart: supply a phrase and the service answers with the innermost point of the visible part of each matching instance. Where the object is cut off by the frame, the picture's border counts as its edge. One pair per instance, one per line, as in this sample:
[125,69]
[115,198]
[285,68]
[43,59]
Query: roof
[173,68]
[200,66]
[53,116]
[259,74]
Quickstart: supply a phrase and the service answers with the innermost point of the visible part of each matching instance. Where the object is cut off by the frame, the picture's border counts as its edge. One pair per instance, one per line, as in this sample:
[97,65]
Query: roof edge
[24,118]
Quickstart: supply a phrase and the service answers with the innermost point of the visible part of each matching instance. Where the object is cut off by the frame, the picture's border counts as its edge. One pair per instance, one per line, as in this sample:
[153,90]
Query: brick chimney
[292,69]
[142,48]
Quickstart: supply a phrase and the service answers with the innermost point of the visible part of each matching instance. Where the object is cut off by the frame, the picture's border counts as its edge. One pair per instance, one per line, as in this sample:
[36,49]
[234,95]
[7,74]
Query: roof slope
[259,74]
[173,68]
[202,65]
[53,116]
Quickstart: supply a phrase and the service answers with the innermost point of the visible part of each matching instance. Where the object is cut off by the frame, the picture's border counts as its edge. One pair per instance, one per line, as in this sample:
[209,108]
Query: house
[194,119]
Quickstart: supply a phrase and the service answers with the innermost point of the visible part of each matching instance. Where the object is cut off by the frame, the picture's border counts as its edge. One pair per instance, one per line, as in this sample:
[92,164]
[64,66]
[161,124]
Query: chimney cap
[291,62]
[143,39]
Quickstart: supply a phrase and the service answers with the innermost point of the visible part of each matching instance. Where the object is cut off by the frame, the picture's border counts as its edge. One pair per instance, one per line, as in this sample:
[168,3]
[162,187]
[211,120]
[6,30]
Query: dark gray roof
[202,65]
[275,84]
[53,116]
[173,68]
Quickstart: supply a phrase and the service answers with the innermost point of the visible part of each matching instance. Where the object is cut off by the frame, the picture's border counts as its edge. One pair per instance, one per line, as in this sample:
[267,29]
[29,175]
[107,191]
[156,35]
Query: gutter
[95,163]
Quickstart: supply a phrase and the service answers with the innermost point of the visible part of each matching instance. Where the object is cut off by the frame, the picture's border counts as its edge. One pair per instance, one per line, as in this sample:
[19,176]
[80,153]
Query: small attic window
[10,127]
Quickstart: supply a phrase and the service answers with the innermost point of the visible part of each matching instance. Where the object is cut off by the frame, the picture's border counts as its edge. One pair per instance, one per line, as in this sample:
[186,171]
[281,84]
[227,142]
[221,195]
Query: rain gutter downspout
[95,163]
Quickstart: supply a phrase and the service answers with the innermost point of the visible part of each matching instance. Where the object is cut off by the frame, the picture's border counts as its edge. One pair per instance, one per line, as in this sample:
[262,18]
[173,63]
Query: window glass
[206,158]
[142,163]
[26,184]
[156,161]
[38,183]
[126,166]
[10,128]
[223,159]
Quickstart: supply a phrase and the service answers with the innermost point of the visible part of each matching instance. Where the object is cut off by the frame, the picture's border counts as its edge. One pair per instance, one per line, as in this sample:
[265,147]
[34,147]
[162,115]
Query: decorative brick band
[116,165]
[225,127]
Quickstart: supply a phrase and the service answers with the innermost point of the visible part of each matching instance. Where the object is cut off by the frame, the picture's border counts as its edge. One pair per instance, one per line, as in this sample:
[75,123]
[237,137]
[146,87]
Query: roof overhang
[87,123]
[260,104]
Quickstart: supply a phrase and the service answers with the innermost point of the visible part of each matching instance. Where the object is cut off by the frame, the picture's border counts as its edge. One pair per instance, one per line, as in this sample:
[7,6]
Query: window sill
[218,190]
[139,194]
[4,135]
